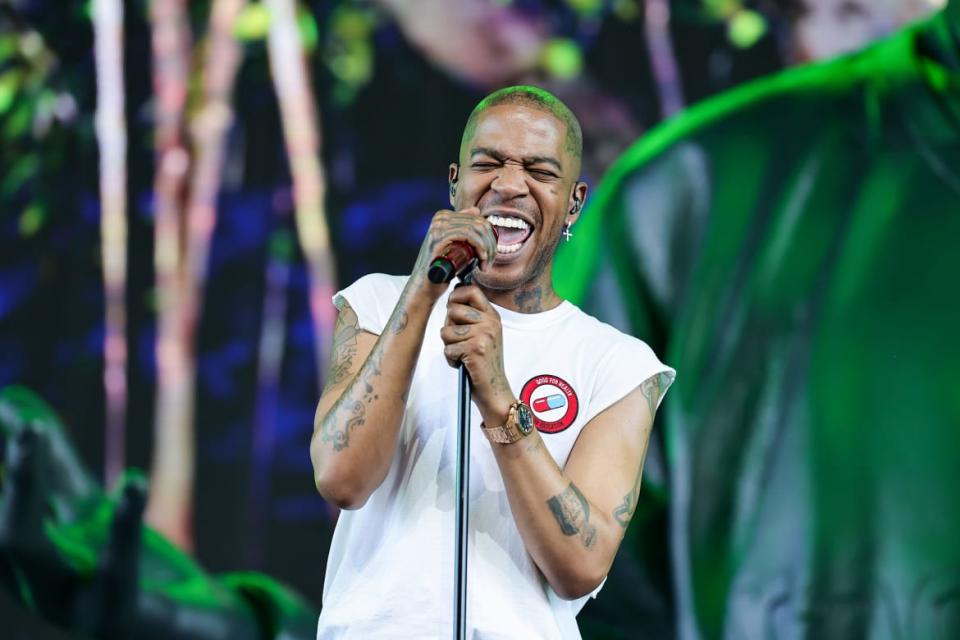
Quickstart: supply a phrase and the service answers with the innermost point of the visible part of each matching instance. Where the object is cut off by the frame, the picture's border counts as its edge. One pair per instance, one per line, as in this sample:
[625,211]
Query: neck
[532,297]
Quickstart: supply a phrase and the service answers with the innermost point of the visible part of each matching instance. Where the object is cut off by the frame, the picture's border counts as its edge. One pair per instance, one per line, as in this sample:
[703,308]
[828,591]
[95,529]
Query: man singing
[563,407]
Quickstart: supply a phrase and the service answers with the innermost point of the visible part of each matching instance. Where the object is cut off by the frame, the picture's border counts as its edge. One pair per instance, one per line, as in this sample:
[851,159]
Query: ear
[577,198]
[453,174]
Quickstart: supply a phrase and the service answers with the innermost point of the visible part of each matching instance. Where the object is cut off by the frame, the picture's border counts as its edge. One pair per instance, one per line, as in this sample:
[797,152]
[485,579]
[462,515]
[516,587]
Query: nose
[510,182]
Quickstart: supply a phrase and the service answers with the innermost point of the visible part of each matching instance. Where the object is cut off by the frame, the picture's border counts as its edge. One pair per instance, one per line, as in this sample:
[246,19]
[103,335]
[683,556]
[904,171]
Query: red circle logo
[554,403]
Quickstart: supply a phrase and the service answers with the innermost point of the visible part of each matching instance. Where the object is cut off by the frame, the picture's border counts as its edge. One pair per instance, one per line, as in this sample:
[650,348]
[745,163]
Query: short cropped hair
[534,98]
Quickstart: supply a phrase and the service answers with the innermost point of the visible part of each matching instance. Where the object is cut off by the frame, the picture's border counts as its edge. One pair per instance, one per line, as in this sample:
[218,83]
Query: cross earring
[566,232]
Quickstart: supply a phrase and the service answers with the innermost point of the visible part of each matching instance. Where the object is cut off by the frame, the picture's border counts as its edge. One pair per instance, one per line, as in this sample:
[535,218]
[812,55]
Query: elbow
[574,584]
[341,493]
[334,482]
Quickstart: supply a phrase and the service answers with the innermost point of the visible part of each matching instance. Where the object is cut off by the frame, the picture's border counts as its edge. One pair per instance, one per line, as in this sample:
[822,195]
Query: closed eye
[543,174]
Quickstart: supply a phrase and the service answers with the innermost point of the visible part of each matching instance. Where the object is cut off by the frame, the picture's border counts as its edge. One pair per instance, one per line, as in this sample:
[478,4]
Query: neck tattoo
[529,301]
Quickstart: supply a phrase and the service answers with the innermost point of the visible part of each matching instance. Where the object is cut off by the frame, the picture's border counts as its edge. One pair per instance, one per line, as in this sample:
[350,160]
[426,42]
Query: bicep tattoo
[572,512]
[344,348]
[652,389]
[623,513]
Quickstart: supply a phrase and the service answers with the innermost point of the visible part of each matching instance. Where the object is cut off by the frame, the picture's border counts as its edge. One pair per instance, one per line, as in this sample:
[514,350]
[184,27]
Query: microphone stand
[462,488]
[442,270]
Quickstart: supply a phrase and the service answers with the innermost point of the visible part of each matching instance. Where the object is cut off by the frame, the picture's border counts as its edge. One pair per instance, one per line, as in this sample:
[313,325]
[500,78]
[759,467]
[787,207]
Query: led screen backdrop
[184,185]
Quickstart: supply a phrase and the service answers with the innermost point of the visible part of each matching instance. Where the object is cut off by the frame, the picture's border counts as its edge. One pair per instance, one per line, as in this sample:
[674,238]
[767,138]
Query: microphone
[458,260]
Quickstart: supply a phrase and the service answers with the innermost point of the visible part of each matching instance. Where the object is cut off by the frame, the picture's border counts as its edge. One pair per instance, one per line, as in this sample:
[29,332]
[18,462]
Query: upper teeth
[515,223]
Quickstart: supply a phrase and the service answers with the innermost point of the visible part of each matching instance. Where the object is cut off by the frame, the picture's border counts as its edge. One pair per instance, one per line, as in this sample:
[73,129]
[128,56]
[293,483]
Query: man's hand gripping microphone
[458,260]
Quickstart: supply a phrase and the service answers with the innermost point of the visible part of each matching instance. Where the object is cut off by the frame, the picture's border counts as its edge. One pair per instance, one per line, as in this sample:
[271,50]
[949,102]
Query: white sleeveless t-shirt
[390,569]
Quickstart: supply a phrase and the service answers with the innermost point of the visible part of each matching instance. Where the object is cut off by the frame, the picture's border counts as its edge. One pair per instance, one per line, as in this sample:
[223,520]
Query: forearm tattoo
[350,411]
[400,323]
[572,512]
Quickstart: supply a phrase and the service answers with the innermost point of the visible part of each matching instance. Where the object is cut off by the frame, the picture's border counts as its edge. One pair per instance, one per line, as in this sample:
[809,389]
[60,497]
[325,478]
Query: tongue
[508,235]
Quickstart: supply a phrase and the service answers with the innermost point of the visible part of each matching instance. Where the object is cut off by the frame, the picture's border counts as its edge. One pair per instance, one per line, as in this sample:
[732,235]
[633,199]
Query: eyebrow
[493,153]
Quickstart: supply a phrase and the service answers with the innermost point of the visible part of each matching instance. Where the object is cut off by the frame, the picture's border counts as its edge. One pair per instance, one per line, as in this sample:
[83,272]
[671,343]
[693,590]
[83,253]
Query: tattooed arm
[359,413]
[358,417]
[573,520]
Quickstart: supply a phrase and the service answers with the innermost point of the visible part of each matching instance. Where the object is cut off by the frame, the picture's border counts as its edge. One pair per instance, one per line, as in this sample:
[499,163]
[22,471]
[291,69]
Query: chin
[497,281]
[507,277]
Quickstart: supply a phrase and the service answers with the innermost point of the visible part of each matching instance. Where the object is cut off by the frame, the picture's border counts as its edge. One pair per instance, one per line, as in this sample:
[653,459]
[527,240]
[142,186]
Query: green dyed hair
[534,98]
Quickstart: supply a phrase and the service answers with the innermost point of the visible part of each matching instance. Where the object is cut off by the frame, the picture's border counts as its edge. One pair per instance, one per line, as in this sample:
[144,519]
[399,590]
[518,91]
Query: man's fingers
[492,239]
[452,333]
[466,225]
[487,239]
[453,353]
[473,239]
[470,295]
[462,314]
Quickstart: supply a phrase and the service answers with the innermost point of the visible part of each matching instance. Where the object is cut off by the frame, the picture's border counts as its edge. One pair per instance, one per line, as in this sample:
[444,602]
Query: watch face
[524,418]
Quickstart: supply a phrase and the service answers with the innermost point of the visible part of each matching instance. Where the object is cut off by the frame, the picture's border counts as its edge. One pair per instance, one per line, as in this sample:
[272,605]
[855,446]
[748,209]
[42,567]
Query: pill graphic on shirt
[546,403]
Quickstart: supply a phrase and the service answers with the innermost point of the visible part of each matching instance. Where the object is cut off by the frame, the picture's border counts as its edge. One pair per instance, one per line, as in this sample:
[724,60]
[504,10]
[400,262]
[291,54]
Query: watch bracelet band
[501,434]
[506,433]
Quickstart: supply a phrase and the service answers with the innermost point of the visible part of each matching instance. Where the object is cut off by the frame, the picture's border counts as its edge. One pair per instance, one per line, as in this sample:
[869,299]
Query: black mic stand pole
[462,488]
[441,270]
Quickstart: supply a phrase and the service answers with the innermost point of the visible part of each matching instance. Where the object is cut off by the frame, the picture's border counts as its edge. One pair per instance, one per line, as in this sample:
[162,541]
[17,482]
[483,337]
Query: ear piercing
[566,232]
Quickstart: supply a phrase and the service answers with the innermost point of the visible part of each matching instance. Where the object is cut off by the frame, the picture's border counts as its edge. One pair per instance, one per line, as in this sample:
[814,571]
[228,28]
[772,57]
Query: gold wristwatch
[518,425]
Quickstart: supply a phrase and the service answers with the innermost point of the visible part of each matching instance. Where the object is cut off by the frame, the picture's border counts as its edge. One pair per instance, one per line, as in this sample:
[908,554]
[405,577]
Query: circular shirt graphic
[553,402]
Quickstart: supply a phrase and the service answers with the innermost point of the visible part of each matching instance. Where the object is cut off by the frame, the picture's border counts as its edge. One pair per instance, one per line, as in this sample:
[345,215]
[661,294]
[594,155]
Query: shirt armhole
[624,370]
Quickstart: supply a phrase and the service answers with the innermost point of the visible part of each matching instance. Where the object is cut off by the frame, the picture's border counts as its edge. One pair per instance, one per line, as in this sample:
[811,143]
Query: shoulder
[380,282]
[608,343]
[372,299]
[615,363]
[377,286]
[597,329]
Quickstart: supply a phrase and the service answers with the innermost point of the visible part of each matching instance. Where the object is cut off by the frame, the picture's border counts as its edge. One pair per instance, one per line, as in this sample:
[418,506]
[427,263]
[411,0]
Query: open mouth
[512,232]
